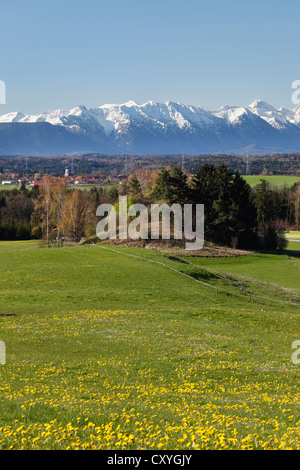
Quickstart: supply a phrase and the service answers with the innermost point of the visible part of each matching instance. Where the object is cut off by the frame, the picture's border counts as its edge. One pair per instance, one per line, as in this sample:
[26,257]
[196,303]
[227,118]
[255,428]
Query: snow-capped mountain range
[152,127]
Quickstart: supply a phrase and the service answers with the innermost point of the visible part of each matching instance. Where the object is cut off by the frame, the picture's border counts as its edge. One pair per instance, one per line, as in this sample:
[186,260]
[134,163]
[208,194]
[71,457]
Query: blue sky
[59,54]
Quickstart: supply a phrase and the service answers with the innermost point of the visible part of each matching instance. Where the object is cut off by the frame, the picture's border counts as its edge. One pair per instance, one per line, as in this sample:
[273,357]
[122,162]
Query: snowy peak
[113,117]
[130,104]
[12,117]
[278,118]
[155,127]
[232,114]
[261,105]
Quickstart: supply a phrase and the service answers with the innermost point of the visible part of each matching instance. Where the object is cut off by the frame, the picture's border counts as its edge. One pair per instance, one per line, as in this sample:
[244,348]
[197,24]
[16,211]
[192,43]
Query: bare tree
[46,191]
[59,195]
[74,215]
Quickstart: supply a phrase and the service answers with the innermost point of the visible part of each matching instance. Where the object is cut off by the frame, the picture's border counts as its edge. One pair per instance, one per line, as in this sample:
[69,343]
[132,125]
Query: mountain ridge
[153,127]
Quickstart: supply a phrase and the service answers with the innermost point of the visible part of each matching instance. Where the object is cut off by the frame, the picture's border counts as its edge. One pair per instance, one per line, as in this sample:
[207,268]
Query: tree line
[235,214]
[52,212]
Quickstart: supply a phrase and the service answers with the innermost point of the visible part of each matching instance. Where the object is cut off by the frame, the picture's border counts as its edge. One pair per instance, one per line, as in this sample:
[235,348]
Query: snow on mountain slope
[163,127]
[115,117]
[232,114]
[278,118]
[12,117]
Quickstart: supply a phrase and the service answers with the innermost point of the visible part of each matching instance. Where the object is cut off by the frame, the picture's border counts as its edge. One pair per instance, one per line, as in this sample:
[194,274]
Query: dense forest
[235,214]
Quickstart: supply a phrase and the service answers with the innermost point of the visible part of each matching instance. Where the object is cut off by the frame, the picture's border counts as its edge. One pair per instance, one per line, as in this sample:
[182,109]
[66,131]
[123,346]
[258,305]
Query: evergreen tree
[263,200]
[243,212]
[179,191]
[134,186]
[113,195]
[204,191]
[223,206]
[162,187]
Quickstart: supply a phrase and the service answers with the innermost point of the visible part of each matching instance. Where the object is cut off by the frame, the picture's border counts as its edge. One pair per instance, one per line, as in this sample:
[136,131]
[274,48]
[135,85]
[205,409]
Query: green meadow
[293,235]
[118,348]
[9,187]
[274,180]
[274,271]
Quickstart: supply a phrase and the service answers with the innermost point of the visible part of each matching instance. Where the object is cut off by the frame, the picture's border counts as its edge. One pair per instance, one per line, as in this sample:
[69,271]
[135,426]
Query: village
[15,180]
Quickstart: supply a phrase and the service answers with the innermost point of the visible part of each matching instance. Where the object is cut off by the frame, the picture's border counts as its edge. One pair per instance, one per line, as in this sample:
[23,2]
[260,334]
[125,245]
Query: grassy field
[253,180]
[293,235]
[83,187]
[129,349]
[276,180]
[272,270]
[293,246]
[9,187]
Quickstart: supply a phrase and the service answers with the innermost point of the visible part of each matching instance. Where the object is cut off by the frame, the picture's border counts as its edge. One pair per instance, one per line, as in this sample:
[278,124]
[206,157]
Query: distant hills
[152,128]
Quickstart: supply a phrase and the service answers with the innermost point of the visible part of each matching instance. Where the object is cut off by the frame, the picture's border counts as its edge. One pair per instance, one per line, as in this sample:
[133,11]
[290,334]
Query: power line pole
[298,208]
[182,161]
[247,163]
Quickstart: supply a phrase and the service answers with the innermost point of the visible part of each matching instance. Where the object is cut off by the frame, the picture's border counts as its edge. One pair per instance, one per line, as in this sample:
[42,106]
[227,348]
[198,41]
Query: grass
[83,187]
[109,351]
[20,245]
[293,246]
[273,270]
[293,235]
[276,180]
[9,187]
